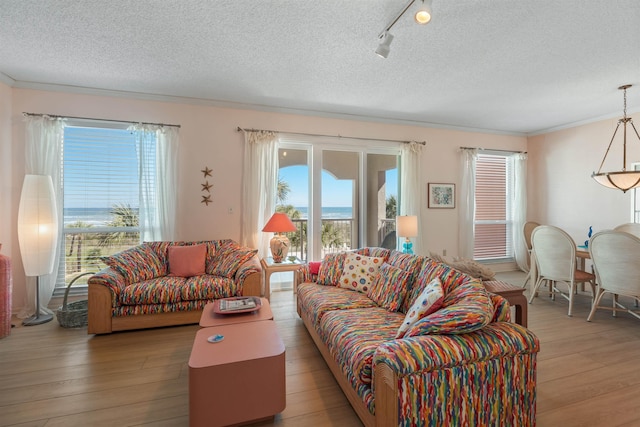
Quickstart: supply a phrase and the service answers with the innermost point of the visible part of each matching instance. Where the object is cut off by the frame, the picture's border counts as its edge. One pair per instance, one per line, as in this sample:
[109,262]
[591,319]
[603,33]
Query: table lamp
[407,226]
[37,234]
[279,244]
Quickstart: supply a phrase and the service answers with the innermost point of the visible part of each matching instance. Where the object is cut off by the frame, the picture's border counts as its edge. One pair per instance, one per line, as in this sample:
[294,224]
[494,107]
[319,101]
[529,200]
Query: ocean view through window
[101,196]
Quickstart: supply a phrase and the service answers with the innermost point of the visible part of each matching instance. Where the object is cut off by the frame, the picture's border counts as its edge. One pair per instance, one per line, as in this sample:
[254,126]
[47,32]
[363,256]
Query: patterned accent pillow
[137,264]
[228,258]
[358,272]
[389,287]
[331,269]
[429,301]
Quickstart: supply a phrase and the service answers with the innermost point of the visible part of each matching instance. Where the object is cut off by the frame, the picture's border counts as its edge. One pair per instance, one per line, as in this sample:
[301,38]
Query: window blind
[493,210]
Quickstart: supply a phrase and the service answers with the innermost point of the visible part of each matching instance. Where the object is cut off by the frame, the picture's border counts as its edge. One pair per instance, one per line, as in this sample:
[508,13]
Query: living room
[560,190]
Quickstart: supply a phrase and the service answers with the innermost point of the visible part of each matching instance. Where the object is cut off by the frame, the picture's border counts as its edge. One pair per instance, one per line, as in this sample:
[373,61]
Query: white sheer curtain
[43,156]
[259,187]
[410,194]
[520,209]
[467,201]
[158,162]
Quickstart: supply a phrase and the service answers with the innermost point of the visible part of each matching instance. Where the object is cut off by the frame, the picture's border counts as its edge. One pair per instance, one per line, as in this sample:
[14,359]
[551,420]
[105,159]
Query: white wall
[208,138]
[561,191]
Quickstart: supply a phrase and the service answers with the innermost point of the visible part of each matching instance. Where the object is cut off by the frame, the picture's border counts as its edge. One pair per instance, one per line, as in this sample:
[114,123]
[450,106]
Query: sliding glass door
[340,198]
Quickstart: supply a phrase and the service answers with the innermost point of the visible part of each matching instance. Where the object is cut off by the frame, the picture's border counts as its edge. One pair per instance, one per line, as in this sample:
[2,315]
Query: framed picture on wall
[441,195]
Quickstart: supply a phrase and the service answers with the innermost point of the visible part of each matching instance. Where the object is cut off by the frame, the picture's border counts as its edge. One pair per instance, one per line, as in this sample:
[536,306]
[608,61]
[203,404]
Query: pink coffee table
[239,379]
[209,318]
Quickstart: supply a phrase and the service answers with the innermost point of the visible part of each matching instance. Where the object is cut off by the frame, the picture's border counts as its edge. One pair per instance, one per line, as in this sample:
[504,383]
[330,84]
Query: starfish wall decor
[206,186]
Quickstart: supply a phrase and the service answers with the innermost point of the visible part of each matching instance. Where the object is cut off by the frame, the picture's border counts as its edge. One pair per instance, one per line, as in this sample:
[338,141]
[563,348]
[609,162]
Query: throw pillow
[467,266]
[187,261]
[136,264]
[359,271]
[331,269]
[314,267]
[228,258]
[473,269]
[429,301]
[389,287]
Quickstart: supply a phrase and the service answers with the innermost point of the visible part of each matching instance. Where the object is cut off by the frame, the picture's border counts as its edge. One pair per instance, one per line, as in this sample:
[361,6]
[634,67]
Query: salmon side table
[239,379]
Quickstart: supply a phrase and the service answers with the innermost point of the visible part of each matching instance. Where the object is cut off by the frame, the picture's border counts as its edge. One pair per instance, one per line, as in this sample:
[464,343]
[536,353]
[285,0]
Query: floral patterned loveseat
[413,342]
[140,288]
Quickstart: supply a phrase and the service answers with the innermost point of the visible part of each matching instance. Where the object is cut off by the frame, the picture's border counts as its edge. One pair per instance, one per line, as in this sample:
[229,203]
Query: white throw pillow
[429,301]
[358,272]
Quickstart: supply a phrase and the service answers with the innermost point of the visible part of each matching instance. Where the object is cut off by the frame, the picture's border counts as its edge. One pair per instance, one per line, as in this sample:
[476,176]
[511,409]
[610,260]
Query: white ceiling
[514,66]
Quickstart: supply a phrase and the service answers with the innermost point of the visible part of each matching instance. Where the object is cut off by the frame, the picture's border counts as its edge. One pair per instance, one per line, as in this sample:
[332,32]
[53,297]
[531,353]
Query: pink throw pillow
[314,267]
[187,261]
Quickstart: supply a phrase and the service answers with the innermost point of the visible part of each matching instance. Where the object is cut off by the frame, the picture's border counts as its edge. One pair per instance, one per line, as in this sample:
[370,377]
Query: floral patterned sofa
[168,283]
[413,342]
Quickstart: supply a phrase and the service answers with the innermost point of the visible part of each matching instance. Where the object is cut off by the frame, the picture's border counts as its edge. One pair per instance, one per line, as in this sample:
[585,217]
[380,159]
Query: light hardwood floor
[50,376]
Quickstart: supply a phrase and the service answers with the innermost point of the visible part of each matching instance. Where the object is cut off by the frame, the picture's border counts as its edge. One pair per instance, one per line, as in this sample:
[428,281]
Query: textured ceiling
[516,66]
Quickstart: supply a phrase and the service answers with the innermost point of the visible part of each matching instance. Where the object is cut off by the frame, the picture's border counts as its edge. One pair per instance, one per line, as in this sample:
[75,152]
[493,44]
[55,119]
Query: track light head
[423,14]
[385,45]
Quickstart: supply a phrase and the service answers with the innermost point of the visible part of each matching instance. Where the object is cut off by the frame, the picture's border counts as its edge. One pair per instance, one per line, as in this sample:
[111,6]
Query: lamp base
[407,247]
[37,319]
[279,245]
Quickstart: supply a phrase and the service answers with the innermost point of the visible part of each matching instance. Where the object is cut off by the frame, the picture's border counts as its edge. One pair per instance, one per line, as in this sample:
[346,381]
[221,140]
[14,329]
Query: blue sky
[334,192]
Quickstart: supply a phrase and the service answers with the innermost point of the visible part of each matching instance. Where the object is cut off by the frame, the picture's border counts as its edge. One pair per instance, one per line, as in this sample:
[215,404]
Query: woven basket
[74,314]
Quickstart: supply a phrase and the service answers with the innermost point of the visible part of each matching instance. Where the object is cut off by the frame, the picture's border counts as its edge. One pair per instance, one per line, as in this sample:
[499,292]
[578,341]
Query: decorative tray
[235,305]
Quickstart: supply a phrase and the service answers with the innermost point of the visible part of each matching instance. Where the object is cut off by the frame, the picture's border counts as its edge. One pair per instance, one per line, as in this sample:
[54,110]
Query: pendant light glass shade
[37,225]
[622,180]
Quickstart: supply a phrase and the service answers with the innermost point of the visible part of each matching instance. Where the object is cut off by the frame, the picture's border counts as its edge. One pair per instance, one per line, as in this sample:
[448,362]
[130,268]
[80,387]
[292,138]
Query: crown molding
[7,80]
[247,106]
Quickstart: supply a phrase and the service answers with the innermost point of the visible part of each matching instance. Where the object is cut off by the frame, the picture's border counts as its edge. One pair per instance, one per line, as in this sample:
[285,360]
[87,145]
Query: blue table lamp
[407,226]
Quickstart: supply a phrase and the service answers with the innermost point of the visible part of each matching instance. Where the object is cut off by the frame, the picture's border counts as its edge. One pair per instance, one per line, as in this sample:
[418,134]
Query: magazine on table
[237,304]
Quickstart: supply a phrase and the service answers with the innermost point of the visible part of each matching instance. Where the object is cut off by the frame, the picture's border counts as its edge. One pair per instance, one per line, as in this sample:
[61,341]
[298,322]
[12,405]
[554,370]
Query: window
[493,217]
[346,192]
[101,196]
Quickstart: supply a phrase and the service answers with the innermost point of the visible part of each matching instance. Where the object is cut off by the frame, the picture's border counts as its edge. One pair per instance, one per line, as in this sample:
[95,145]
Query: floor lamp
[37,234]
[407,226]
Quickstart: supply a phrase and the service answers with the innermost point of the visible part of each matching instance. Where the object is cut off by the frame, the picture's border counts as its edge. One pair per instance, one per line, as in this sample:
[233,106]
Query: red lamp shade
[279,244]
[279,223]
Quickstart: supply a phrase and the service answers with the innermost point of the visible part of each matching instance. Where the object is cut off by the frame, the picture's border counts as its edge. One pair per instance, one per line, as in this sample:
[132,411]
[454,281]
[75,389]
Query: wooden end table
[269,266]
[513,294]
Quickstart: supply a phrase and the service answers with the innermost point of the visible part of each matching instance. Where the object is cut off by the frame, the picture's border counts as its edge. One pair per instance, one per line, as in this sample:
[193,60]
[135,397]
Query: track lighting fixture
[422,16]
[385,45]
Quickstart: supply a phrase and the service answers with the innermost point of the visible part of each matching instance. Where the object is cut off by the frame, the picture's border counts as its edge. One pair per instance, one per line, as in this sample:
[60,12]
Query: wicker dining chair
[630,227]
[555,255]
[616,259]
[528,228]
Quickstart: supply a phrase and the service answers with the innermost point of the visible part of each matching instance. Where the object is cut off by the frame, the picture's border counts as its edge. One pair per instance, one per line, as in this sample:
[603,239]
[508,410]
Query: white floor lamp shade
[37,233]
